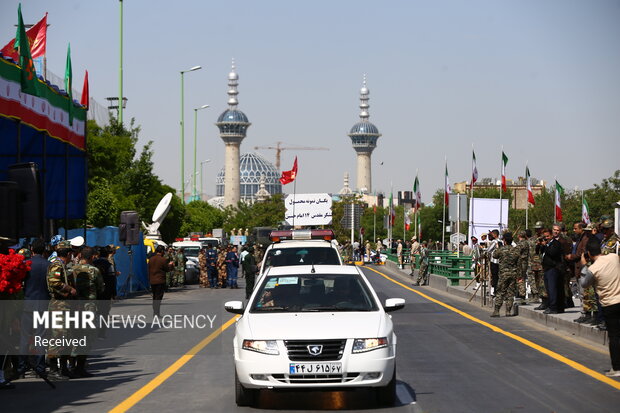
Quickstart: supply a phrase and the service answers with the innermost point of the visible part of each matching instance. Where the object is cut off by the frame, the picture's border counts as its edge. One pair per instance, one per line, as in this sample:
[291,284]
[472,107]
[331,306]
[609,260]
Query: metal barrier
[443,263]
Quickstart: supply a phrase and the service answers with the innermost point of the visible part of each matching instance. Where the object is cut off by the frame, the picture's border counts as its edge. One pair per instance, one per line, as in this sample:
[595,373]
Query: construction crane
[278,148]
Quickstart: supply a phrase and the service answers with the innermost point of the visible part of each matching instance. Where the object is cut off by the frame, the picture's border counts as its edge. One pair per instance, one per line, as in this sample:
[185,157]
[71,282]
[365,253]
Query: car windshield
[313,292]
[279,257]
[191,251]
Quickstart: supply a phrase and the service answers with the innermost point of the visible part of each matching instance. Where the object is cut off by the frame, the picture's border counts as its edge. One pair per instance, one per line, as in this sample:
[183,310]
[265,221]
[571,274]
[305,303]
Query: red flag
[37,38]
[504,162]
[85,93]
[289,176]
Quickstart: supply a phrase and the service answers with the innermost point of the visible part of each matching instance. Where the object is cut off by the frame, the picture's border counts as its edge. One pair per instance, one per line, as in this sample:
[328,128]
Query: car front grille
[331,349]
[315,378]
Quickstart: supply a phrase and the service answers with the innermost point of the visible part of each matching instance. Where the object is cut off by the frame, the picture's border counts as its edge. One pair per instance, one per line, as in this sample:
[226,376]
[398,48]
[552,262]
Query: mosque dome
[232,116]
[365,128]
[251,167]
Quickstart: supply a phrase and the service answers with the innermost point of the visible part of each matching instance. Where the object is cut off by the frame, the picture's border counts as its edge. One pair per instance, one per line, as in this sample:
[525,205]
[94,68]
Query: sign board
[485,216]
[457,238]
[308,209]
[238,240]
[352,216]
[453,214]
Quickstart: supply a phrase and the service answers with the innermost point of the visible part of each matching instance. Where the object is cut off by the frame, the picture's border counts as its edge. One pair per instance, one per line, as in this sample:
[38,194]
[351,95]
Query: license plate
[315,368]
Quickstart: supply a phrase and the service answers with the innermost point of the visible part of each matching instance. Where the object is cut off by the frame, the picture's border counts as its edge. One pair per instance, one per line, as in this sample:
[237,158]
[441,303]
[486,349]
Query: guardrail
[443,263]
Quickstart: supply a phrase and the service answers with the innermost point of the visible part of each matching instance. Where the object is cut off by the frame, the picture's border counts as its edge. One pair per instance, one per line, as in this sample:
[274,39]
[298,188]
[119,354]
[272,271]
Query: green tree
[201,217]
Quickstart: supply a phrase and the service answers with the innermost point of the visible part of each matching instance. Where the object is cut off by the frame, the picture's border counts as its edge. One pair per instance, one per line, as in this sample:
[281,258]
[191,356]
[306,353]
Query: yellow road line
[145,390]
[577,366]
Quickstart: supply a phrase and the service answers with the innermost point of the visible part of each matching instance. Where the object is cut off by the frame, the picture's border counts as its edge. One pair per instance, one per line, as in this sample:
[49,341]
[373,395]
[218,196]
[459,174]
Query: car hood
[324,325]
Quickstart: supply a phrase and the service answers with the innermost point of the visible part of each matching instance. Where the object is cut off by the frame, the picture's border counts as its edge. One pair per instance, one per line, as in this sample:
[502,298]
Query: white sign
[308,209]
[486,216]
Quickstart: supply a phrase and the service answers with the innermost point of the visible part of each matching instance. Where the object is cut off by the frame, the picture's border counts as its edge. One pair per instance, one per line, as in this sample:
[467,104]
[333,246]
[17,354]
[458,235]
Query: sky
[538,78]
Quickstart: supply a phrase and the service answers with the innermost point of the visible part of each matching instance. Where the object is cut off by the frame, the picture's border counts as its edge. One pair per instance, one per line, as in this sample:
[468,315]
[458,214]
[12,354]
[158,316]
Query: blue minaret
[364,137]
[233,125]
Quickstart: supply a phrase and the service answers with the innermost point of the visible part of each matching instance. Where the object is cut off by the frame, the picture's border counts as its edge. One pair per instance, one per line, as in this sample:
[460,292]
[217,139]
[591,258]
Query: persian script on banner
[308,209]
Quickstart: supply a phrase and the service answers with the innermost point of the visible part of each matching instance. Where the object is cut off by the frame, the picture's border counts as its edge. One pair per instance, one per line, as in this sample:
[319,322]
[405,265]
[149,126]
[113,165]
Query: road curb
[559,322]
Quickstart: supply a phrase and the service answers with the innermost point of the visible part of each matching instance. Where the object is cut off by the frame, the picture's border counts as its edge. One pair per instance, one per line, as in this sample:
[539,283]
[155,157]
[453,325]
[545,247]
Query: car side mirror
[393,304]
[235,307]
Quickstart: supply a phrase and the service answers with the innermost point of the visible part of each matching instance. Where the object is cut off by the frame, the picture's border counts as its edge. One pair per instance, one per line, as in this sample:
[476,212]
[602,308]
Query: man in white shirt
[604,274]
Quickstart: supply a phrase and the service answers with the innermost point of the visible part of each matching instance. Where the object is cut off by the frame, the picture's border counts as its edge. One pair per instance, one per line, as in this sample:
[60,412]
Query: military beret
[64,244]
[607,223]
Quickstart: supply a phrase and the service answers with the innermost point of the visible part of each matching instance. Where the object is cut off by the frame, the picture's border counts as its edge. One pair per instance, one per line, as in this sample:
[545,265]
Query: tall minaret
[364,137]
[233,125]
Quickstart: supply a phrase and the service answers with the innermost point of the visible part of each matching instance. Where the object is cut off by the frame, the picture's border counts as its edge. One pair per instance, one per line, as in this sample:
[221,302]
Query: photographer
[604,274]
[158,267]
[552,265]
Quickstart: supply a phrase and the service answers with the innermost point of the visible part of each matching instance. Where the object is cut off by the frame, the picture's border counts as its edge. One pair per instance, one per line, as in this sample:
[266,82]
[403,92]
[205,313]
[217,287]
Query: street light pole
[183,130]
[194,192]
[120,71]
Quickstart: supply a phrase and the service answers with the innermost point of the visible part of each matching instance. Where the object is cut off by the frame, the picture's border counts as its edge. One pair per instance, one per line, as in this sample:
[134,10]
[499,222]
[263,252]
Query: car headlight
[361,345]
[262,346]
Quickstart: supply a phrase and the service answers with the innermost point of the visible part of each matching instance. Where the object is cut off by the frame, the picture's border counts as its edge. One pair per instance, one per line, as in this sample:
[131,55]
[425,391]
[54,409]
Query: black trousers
[494,274]
[554,284]
[158,294]
[612,320]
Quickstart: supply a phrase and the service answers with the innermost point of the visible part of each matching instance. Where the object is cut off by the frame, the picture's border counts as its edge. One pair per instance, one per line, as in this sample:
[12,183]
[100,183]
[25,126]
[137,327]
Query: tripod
[127,284]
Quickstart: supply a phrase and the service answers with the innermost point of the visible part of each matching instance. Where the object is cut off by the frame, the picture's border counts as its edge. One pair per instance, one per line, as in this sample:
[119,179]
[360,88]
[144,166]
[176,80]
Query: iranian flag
[504,163]
[585,212]
[528,181]
[474,169]
[558,205]
[417,193]
[447,189]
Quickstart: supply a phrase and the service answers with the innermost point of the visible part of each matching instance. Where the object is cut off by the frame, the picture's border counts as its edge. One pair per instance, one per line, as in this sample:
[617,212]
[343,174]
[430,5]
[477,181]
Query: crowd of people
[64,275]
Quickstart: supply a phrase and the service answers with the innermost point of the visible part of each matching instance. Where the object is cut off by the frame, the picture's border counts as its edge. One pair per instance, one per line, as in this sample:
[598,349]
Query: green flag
[68,84]
[28,76]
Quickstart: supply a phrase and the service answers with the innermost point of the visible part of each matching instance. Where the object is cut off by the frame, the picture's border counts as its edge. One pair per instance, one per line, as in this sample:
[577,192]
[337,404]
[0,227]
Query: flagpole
[443,216]
[294,192]
[555,197]
[471,196]
[501,189]
[582,206]
[527,202]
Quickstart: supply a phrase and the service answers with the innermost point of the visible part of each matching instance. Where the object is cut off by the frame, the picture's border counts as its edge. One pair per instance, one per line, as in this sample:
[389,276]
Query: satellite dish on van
[152,230]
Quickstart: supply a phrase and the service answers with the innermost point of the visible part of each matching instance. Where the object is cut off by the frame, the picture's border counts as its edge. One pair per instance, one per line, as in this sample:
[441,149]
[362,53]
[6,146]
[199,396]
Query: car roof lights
[302,234]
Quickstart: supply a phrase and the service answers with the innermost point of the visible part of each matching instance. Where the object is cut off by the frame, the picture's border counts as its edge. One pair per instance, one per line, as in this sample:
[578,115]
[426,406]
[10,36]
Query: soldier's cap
[607,224]
[25,252]
[56,240]
[64,244]
[538,225]
[588,227]
[77,241]
[474,238]
[522,233]
[484,234]
[413,238]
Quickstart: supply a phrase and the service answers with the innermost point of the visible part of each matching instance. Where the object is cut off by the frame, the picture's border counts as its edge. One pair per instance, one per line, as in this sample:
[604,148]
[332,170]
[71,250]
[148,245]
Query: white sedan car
[310,327]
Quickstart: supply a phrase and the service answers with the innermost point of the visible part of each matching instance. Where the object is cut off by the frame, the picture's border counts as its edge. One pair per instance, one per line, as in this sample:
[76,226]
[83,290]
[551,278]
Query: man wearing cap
[61,287]
[399,253]
[508,257]
[611,242]
[422,274]
[588,300]
[524,256]
[54,244]
[415,250]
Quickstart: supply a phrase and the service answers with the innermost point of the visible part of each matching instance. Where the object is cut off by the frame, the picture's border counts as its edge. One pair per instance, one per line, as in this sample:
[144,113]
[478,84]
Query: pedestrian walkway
[560,322]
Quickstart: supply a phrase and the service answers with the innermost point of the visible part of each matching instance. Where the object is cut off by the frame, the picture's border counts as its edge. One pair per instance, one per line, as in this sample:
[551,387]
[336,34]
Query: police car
[301,247]
[314,327]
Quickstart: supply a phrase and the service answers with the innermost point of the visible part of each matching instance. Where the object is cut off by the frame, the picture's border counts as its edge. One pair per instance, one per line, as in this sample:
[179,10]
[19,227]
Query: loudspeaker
[9,211]
[129,228]
[27,177]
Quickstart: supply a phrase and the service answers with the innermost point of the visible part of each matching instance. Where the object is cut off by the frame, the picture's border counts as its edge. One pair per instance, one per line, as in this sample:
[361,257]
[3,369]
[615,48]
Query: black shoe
[583,319]
[541,307]
[57,376]
[550,311]
[6,385]
[602,326]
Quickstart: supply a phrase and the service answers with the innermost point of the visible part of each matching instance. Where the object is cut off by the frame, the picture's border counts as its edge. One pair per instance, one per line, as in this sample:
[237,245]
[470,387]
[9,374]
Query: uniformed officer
[211,262]
[535,270]
[179,268]
[250,269]
[611,242]
[508,257]
[89,285]
[423,273]
[524,254]
[61,286]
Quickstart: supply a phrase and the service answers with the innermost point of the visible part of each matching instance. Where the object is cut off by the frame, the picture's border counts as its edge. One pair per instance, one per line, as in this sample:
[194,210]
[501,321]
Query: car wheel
[243,396]
[386,396]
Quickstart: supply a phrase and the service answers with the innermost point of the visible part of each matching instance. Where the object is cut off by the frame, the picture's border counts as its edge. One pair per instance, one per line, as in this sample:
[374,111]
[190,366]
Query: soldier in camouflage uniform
[423,271]
[179,269]
[61,286]
[221,267]
[508,257]
[524,256]
[611,242]
[202,264]
[89,285]
[169,256]
[535,271]
[259,253]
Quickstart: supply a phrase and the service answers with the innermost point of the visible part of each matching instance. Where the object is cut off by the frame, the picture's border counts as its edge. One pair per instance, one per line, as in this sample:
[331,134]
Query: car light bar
[302,234]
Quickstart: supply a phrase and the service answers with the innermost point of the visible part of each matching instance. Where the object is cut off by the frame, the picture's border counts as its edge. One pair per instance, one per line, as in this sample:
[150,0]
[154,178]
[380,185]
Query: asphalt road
[446,363]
